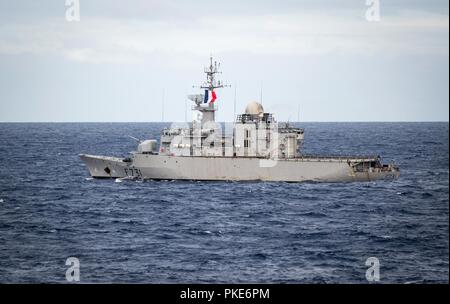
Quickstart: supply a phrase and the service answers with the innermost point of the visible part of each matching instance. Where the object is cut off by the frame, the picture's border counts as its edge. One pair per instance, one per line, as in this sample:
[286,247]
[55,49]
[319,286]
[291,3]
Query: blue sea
[222,232]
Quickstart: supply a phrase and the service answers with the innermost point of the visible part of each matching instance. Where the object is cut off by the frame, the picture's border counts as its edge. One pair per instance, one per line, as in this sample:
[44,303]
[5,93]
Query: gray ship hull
[300,169]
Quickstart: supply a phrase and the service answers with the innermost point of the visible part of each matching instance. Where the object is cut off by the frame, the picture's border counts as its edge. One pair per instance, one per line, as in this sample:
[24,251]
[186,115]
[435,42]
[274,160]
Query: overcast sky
[322,57]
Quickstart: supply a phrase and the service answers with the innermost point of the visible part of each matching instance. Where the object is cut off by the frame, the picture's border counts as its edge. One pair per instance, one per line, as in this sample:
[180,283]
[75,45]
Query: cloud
[133,41]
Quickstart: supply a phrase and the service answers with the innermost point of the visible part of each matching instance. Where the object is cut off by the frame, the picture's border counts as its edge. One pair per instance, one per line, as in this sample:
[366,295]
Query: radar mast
[210,72]
[204,103]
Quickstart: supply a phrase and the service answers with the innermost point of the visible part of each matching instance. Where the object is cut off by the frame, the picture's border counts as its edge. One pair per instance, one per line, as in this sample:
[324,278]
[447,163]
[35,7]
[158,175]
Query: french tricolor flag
[208,98]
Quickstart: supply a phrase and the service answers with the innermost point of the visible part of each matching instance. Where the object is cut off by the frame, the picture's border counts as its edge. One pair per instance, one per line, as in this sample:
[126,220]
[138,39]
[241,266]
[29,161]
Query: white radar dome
[254,108]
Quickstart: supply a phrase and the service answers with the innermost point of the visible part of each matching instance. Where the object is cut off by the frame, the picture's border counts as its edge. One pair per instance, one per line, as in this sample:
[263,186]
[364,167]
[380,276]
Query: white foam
[118,180]
[1,200]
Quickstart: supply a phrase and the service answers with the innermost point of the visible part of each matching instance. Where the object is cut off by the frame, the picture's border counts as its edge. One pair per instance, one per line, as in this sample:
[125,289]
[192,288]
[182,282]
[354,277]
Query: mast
[185,111]
[208,109]
[261,95]
[234,104]
[162,106]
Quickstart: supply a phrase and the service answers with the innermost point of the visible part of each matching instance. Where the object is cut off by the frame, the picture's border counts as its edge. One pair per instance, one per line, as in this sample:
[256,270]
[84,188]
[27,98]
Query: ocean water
[214,232]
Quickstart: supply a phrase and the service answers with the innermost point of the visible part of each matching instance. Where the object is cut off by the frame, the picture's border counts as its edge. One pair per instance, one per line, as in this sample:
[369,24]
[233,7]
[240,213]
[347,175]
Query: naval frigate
[255,147]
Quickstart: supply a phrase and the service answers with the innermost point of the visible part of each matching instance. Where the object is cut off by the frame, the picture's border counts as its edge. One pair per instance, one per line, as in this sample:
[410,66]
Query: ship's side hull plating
[148,166]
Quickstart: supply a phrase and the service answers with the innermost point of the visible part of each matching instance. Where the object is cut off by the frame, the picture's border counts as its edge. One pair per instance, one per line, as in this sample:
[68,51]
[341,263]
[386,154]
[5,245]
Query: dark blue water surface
[196,232]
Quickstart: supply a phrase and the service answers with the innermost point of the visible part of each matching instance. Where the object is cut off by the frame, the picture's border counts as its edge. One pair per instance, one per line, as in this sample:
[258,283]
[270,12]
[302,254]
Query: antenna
[162,107]
[234,106]
[185,108]
[261,92]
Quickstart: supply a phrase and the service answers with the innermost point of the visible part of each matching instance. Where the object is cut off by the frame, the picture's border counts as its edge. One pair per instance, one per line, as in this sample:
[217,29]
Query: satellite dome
[254,108]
